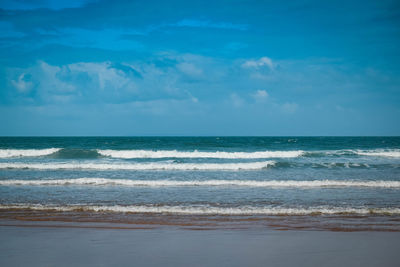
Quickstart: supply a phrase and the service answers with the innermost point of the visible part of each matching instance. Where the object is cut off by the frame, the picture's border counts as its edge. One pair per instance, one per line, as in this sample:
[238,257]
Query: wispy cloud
[190,69]
[23,83]
[260,95]
[259,63]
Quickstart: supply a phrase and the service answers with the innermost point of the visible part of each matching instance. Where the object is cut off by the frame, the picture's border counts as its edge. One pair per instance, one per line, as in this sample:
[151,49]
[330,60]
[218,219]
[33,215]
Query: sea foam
[393,153]
[198,154]
[10,153]
[140,166]
[211,210]
[169,183]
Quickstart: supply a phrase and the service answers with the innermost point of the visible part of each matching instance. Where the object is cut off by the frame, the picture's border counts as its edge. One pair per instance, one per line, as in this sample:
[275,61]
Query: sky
[269,68]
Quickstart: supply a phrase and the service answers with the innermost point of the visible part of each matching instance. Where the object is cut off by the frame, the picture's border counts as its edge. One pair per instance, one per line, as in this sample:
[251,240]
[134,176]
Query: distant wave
[10,153]
[337,165]
[141,166]
[211,210]
[166,183]
[341,165]
[127,154]
[391,153]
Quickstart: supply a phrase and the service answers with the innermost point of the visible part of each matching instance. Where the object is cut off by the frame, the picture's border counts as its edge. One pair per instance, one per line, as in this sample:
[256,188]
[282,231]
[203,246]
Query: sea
[282,183]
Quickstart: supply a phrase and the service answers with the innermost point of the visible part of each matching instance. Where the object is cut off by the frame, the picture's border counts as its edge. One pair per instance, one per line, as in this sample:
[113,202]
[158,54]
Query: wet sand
[344,222]
[83,244]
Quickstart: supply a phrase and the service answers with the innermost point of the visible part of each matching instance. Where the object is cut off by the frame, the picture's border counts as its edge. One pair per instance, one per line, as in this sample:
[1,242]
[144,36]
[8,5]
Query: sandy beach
[83,244]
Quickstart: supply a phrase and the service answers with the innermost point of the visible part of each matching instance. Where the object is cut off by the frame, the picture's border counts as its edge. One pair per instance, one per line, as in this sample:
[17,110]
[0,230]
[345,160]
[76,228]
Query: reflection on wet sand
[208,222]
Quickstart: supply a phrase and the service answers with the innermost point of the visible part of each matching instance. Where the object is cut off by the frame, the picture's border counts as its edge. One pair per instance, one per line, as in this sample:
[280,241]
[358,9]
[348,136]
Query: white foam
[11,153]
[393,153]
[211,210]
[166,183]
[140,166]
[346,165]
[198,154]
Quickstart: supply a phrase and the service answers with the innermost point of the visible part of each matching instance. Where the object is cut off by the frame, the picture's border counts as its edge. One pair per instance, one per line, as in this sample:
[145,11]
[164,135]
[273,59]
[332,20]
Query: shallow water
[258,177]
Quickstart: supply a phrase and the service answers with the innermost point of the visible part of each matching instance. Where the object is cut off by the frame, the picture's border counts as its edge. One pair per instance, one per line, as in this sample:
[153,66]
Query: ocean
[334,183]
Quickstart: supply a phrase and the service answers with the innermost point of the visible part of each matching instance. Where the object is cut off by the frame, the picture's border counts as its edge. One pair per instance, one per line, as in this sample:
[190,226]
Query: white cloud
[68,82]
[45,79]
[262,62]
[104,75]
[22,84]
[50,78]
[260,95]
[189,69]
[110,82]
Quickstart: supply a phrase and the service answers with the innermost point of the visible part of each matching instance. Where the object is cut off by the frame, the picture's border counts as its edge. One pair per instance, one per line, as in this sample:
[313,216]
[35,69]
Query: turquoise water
[202,175]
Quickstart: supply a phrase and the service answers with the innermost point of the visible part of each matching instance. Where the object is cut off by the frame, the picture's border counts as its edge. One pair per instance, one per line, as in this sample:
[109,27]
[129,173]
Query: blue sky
[93,67]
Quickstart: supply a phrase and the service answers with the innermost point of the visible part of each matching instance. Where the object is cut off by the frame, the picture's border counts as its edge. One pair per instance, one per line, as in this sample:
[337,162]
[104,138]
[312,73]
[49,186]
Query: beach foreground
[49,244]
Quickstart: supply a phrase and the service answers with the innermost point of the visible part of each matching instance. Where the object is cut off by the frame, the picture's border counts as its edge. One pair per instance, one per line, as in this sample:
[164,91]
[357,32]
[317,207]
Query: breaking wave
[72,153]
[12,153]
[141,166]
[127,154]
[390,153]
[394,153]
[167,183]
[211,210]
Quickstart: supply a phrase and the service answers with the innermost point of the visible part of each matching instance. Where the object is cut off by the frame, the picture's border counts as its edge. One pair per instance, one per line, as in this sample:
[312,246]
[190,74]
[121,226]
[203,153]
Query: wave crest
[13,153]
[141,166]
[128,154]
[211,210]
[393,153]
[167,183]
